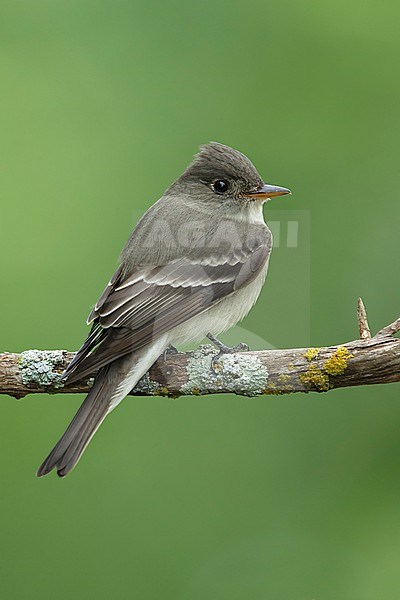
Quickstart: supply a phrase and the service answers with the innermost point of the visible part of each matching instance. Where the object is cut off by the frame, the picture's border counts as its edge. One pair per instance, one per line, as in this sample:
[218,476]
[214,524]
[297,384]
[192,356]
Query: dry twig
[368,360]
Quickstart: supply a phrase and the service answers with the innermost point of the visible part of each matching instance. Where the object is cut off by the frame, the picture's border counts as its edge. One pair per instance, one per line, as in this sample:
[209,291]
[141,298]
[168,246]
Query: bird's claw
[169,350]
[223,349]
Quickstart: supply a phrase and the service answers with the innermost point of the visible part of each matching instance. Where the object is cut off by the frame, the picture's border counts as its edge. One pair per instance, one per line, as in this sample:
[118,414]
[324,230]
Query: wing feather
[138,307]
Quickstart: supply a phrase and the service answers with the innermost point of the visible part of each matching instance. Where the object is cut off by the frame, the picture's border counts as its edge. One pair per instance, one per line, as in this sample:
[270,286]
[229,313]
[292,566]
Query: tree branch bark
[368,360]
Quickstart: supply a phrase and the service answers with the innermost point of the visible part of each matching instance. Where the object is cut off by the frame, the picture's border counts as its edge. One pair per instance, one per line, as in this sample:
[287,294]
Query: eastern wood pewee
[193,265]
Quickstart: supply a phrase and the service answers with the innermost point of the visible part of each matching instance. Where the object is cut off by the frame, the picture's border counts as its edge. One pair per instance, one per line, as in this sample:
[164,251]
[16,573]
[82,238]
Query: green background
[103,104]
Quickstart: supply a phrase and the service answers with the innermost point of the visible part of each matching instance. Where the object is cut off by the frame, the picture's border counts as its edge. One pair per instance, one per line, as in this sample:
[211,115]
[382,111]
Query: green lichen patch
[315,379]
[42,367]
[337,363]
[311,354]
[148,387]
[238,374]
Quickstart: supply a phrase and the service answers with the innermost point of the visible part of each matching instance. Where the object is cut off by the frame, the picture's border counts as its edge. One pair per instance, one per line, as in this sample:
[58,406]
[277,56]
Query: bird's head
[220,173]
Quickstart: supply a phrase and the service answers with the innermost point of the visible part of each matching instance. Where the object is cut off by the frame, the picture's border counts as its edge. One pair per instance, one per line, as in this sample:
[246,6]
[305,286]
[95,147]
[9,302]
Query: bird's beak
[268,191]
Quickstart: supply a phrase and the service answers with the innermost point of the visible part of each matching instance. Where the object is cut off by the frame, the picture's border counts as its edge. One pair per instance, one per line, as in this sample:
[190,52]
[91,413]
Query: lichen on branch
[368,360]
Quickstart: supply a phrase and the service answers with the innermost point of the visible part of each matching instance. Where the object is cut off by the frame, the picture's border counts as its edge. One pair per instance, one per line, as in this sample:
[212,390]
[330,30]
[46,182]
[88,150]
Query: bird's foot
[223,349]
[169,350]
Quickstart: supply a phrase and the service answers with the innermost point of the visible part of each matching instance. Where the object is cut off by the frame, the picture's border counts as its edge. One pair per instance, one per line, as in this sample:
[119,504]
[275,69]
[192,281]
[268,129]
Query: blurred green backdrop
[103,104]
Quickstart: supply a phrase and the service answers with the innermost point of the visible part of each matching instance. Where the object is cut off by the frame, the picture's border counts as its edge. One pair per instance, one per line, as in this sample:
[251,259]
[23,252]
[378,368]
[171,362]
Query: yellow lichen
[162,391]
[196,391]
[337,363]
[275,392]
[284,378]
[311,353]
[316,379]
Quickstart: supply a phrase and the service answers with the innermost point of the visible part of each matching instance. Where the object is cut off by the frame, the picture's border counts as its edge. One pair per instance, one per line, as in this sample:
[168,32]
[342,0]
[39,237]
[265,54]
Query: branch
[368,360]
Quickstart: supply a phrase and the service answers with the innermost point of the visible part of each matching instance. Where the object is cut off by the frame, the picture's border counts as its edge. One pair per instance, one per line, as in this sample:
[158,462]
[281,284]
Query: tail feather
[82,428]
[113,382]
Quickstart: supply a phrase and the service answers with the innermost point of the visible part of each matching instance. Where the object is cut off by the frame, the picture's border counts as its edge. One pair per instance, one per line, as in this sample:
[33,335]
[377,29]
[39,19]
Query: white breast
[222,316]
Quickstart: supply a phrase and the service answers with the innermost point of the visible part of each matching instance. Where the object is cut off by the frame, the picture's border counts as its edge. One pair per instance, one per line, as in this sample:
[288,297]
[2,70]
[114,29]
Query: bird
[193,266]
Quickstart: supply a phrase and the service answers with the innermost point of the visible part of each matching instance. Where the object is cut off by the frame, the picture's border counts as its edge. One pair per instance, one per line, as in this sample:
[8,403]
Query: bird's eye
[220,186]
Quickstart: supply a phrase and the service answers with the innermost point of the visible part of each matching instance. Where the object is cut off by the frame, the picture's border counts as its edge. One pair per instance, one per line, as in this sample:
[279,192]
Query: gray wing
[137,308]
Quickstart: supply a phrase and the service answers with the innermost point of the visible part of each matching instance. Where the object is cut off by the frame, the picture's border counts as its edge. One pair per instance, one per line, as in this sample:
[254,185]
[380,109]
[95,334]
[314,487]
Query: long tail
[82,428]
[111,385]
